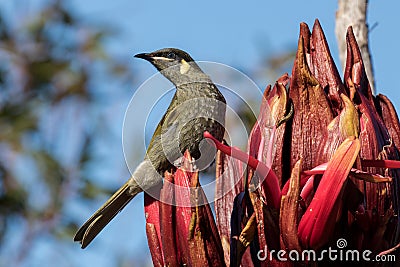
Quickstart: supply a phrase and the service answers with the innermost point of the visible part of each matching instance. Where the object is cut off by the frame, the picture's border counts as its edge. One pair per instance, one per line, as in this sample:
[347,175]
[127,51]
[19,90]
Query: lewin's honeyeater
[197,106]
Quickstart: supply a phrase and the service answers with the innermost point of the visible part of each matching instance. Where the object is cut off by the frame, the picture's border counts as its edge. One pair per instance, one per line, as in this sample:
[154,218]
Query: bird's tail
[92,227]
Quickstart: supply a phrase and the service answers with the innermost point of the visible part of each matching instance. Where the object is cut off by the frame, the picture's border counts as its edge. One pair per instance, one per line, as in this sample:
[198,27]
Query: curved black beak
[144,56]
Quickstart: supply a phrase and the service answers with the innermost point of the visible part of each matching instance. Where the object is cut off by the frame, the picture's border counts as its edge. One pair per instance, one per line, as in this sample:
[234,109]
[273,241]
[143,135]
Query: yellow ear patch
[185,67]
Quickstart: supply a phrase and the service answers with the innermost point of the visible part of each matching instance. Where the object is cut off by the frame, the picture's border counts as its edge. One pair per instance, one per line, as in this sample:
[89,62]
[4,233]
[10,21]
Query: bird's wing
[159,128]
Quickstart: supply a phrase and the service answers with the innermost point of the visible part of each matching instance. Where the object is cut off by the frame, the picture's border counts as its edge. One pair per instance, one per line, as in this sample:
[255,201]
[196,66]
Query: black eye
[171,55]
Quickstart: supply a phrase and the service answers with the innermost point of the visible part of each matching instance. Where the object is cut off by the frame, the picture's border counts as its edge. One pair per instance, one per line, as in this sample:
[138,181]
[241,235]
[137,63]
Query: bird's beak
[144,56]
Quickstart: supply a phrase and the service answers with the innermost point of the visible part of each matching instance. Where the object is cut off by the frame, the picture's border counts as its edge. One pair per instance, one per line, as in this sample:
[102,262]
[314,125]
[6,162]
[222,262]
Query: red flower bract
[184,234]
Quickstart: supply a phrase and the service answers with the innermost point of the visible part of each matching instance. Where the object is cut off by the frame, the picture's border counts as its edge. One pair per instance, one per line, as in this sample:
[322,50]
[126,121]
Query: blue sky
[235,33]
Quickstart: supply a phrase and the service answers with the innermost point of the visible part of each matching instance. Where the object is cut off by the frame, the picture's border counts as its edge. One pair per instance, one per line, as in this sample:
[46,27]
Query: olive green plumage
[197,106]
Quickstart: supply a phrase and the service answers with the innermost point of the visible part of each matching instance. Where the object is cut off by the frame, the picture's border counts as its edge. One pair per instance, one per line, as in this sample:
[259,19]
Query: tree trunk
[354,13]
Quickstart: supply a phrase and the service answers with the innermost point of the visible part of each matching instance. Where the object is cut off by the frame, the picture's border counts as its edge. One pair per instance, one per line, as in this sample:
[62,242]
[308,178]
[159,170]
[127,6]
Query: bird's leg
[179,162]
[183,162]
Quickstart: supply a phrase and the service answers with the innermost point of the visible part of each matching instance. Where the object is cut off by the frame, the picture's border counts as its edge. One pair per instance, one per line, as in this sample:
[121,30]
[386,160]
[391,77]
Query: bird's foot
[185,163]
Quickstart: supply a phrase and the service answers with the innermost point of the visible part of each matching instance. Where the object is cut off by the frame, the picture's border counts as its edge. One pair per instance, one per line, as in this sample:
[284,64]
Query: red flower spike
[255,137]
[183,212]
[372,128]
[151,207]
[261,222]
[273,189]
[167,223]
[289,211]
[317,224]
[331,142]
[272,111]
[198,243]
[349,124]
[358,174]
[354,69]
[342,126]
[278,101]
[262,144]
[267,221]
[237,153]
[312,112]
[154,245]
[374,138]
[303,180]
[229,183]
[308,188]
[376,144]
[391,164]
[391,121]
[204,242]
[306,35]
[373,133]
[324,68]
[390,118]
[320,169]
[188,234]
[284,79]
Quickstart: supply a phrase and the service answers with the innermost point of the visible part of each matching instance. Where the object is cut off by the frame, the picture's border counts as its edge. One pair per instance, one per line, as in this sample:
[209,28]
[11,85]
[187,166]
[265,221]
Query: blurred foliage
[274,63]
[49,63]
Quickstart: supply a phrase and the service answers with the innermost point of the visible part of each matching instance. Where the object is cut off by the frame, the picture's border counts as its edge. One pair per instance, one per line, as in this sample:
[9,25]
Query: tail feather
[93,226]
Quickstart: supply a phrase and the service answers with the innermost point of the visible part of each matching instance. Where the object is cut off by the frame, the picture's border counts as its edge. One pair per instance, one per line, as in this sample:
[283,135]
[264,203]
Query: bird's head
[175,64]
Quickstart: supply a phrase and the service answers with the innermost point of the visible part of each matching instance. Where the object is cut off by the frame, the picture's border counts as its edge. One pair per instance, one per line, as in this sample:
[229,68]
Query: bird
[197,106]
